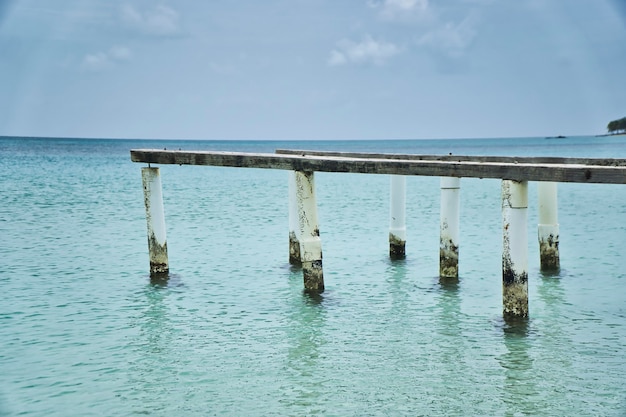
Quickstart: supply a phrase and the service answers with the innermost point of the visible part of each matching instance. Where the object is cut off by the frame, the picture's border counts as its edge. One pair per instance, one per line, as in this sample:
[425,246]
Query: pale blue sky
[311,69]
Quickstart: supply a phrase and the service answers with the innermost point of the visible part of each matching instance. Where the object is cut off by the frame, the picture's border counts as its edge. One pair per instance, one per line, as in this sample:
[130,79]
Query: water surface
[84,331]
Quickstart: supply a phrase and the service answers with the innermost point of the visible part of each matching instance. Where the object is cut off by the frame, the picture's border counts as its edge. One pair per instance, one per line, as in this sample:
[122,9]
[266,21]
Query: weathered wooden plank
[557,172]
[460,158]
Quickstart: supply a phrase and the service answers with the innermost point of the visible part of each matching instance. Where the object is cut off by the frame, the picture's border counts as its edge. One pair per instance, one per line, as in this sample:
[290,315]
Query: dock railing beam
[155,216]
[515,248]
[548,229]
[449,227]
[309,233]
[397,217]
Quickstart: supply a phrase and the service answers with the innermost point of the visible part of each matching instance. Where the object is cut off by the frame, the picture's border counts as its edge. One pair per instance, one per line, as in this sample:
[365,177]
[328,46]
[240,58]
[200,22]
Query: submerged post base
[549,247]
[549,254]
[313,276]
[158,269]
[397,247]
[515,298]
[159,264]
[449,260]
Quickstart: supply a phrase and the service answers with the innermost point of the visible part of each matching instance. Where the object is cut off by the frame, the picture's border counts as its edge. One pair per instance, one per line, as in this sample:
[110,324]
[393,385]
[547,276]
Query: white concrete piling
[548,229]
[294,242]
[449,227]
[515,248]
[153,199]
[397,217]
[309,234]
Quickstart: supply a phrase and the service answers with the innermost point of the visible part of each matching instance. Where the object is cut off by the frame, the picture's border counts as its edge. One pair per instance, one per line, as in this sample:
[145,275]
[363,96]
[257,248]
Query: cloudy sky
[311,69]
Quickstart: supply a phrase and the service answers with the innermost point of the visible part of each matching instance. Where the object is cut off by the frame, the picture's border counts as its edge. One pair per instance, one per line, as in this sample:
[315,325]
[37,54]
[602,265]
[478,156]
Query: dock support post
[155,217]
[309,234]
[397,215]
[449,227]
[548,229]
[294,243]
[515,248]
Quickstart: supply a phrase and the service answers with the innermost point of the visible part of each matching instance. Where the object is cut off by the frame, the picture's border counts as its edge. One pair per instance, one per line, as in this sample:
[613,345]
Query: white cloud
[120,53]
[451,39]
[96,62]
[337,58]
[160,21]
[367,51]
[101,61]
[393,9]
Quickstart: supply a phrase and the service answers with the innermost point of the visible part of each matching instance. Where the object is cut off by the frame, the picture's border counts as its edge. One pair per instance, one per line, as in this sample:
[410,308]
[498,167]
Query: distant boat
[556,137]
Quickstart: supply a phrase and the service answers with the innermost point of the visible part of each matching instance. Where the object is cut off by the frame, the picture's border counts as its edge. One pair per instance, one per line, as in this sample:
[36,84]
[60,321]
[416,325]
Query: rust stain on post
[514,286]
[294,250]
[295,258]
[158,257]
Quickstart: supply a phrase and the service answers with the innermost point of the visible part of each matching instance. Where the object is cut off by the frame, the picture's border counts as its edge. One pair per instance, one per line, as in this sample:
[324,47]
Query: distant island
[617,127]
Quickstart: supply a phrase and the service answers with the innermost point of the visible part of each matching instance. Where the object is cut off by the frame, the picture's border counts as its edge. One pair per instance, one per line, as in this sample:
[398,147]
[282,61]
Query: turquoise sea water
[84,332]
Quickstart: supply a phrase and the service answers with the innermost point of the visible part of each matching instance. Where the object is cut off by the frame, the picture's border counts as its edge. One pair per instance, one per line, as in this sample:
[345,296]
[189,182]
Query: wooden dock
[305,243]
[603,171]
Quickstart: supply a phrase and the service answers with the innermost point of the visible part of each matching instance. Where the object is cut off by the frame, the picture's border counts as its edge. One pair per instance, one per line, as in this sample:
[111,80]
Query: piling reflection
[448,326]
[555,340]
[400,335]
[530,380]
[551,273]
[448,307]
[4,409]
[396,278]
[519,392]
[551,291]
[155,322]
[447,346]
[153,344]
[305,335]
[160,279]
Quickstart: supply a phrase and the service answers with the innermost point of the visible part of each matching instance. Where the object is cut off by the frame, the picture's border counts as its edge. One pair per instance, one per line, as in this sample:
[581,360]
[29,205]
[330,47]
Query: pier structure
[309,232]
[155,217]
[515,248]
[548,229]
[294,240]
[449,226]
[397,217]
[514,172]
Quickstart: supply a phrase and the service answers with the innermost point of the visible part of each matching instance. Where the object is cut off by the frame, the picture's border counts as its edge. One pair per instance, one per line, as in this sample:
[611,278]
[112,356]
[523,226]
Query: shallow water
[84,331]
